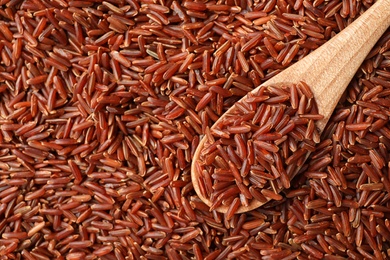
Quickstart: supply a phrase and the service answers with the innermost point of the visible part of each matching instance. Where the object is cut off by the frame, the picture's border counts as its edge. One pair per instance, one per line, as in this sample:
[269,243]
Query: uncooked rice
[259,162]
[102,106]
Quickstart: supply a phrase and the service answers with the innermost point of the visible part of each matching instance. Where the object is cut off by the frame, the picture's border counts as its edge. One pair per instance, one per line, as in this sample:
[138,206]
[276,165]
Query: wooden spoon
[327,71]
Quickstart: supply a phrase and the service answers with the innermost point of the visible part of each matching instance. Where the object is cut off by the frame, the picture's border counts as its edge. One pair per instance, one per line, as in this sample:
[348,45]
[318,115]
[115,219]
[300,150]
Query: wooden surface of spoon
[327,71]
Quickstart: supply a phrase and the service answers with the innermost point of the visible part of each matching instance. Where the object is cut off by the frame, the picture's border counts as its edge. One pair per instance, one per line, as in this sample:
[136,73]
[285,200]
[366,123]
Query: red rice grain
[267,152]
[103,104]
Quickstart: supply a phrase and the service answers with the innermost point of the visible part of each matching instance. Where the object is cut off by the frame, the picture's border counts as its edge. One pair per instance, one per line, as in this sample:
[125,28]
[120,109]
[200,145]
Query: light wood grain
[328,71]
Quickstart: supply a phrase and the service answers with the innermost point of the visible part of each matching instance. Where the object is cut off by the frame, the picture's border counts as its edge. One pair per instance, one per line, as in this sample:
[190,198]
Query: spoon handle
[331,67]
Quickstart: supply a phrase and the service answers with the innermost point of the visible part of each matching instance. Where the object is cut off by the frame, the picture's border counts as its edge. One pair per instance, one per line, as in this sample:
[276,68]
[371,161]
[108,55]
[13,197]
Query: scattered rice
[103,104]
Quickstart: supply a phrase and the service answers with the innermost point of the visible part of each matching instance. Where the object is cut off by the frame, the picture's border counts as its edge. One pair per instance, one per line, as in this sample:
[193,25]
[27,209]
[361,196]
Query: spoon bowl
[327,71]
